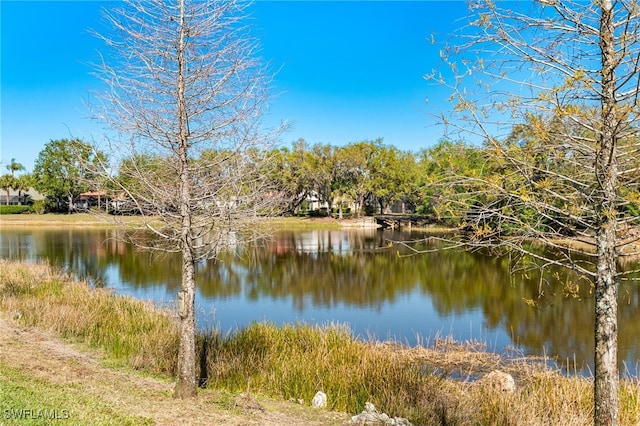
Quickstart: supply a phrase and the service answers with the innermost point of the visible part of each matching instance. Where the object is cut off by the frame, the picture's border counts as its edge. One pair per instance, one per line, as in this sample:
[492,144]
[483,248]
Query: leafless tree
[550,91]
[186,93]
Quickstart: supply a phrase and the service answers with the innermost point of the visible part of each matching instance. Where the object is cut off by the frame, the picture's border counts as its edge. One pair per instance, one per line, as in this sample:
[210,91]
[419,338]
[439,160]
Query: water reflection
[353,277]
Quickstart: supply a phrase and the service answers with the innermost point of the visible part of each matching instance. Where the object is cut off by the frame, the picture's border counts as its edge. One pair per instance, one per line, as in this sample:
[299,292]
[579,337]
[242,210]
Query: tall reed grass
[296,361]
[128,329]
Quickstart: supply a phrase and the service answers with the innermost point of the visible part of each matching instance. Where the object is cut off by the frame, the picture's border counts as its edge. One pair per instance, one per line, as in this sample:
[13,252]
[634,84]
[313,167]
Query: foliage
[360,173]
[391,172]
[14,209]
[287,175]
[8,182]
[23,183]
[65,168]
[355,180]
[14,167]
[38,207]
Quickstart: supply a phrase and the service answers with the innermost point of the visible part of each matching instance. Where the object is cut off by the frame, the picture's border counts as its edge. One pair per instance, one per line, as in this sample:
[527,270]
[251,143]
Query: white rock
[319,400]
[499,382]
[370,416]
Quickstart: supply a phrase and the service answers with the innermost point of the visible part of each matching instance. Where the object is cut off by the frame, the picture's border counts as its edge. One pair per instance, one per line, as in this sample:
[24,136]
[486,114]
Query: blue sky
[349,70]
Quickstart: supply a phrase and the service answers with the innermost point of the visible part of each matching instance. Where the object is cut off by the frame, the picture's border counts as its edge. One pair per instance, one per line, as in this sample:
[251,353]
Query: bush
[369,209]
[38,207]
[13,209]
[346,211]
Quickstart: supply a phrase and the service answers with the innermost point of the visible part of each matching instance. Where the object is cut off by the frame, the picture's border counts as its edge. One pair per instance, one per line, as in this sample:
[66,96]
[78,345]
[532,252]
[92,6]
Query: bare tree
[550,88]
[186,96]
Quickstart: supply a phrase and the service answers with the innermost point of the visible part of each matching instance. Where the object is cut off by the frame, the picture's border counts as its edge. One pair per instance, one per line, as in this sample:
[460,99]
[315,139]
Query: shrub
[13,209]
[38,207]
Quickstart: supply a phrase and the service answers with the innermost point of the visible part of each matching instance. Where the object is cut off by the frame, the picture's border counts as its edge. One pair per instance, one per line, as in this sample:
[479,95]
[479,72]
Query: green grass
[302,223]
[84,219]
[28,401]
[295,361]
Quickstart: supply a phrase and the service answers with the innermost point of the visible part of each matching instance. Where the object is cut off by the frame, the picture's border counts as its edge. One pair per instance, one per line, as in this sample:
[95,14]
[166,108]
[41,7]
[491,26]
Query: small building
[20,197]
[90,199]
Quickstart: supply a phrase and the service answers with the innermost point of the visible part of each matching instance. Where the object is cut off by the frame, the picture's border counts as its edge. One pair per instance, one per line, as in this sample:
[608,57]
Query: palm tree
[23,184]
[14,167]
[7,182]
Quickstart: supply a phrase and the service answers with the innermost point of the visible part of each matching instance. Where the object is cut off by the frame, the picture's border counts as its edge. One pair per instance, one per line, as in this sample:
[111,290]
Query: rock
[370,416]
[498,381]
[247,402]
[319,400]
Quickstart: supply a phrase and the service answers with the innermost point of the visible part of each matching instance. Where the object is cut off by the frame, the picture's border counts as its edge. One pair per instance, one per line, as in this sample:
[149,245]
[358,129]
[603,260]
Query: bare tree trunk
[186,386]
[606,292]
[606,332]
[186,381]
[187,89]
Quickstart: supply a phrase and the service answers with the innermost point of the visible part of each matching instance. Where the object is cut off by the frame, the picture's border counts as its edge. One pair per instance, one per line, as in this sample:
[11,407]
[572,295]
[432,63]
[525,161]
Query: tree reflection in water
[354,276]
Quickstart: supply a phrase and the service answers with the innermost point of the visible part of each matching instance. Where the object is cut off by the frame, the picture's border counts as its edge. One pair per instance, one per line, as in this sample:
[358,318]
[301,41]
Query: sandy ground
[39,354]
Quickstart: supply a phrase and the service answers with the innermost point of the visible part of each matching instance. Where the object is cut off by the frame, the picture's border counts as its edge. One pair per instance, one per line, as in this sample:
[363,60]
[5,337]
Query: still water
[354,277]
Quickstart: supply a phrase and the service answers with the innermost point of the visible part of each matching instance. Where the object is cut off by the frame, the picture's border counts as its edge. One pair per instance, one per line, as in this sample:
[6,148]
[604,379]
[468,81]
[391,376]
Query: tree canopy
[65,168]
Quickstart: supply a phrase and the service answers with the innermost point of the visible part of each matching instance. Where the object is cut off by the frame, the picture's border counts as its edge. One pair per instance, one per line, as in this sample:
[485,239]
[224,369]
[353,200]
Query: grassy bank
[40,402]
[66,220]
[295,361]
[302,223]
[87,219]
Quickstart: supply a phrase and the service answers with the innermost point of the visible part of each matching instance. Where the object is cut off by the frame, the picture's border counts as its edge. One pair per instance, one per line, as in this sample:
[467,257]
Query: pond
[355,277]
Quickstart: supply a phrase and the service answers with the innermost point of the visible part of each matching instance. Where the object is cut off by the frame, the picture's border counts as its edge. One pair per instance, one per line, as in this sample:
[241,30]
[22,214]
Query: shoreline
[412,382]
[105,221]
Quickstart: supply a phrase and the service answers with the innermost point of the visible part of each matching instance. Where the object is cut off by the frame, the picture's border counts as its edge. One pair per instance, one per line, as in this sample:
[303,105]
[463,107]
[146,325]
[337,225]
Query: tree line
[367,176]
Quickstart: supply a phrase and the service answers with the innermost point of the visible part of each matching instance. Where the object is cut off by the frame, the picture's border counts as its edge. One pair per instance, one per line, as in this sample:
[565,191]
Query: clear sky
[349,70]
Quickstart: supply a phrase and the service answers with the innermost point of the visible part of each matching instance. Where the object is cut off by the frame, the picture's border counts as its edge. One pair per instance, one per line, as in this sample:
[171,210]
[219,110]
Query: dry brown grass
[128,329]
[430,386]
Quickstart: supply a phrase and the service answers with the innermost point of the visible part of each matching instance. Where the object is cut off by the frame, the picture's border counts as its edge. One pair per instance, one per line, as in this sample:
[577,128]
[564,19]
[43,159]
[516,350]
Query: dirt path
[40,355]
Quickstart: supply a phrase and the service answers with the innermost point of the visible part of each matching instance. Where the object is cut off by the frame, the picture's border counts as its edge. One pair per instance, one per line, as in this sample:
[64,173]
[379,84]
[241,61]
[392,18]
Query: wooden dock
[393,221]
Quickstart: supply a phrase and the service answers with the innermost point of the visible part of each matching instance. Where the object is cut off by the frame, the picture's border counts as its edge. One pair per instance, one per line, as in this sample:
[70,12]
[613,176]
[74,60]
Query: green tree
[321,170]
[13,167]
[392,176]
[64,169]
[8,182]
[449,202]
[287,172]
[356,174]
[23,183]
[569,72]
